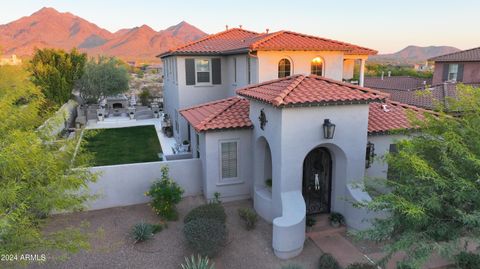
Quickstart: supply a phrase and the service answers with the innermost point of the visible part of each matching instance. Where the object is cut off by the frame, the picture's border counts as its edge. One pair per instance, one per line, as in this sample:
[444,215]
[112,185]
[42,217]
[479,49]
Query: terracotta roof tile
[236,39]
[470,55]
[391,116]
[311,89]
[396,82]
[230,113]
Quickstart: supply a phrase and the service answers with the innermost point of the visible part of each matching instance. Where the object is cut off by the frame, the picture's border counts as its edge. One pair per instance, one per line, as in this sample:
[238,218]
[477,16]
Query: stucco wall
[471,72]
[378,168]
[232,189]
[122,185]
[301,63]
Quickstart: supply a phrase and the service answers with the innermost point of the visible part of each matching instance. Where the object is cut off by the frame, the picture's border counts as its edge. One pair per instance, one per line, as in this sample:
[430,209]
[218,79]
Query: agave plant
[200,263]
[142,231]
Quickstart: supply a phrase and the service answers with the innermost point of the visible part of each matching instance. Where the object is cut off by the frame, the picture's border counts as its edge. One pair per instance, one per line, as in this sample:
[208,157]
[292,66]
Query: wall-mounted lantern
[370,154]
[328,129]
[263,119]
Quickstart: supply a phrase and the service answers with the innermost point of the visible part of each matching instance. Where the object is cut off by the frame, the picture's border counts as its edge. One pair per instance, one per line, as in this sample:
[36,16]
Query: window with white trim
[229,159]
[203,70]
[452,72]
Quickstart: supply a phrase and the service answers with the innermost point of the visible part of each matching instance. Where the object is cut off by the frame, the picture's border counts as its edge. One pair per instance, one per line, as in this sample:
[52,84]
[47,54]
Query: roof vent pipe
[240,26]
[383,73]
[389,73]
[267,30]
[226,27]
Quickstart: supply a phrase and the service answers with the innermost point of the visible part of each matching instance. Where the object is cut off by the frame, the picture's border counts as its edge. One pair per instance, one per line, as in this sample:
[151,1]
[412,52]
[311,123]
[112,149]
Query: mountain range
[49,28]
[412,54]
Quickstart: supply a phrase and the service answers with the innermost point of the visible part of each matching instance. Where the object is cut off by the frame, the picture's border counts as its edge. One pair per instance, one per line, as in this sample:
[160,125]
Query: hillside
[412,54]
[50,28]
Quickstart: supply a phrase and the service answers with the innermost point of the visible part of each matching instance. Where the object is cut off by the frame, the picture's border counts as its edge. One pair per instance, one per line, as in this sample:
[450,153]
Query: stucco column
[362,71]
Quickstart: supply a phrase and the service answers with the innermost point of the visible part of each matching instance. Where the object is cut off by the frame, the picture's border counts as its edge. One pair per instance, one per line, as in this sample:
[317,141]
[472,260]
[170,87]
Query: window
[235,69]
[249,70]
[284,68]
[452,71]
[197,146]
[229,159]
[202,70]
[317,66]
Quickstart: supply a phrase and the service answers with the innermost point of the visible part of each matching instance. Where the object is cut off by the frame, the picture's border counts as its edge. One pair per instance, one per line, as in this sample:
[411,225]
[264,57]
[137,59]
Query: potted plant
[336,219]
[100,116]
[311,221]
[155,114]
[268,183]
[185,145]
[132,115]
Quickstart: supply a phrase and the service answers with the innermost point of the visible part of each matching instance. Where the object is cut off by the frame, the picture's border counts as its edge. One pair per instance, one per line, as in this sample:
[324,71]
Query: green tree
[35,176]
[102,77]
[434,202]
[145,96]
[55,72]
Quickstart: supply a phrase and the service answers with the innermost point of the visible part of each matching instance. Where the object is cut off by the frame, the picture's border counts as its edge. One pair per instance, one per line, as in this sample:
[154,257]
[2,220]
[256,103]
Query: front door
[317,181]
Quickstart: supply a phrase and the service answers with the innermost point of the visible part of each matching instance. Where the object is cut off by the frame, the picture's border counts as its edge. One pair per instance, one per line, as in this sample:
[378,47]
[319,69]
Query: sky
[386,26]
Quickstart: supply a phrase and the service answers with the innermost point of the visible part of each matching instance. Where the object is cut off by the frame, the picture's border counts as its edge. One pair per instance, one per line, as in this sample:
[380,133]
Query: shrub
[327,261]
[336,217]
[142,231]
[145,97]
[466,260]
[292,266]
[209,211]
[249,216]
[165,194]
[311,221]
[200,263]
[205,236]
[156,228]
[268,182]
[362,266]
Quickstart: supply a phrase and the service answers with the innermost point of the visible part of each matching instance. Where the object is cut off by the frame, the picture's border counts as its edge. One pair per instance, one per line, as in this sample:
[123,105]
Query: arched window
[317,66]
[284,68]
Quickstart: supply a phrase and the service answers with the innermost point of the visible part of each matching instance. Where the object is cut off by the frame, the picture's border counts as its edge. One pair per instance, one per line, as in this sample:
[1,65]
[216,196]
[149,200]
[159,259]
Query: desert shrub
[199,263]
[466,260]
[359,265]
[156,228]
[142,231]
[311,221]
[292,266]
[209,211]
[145,96]
[327,261]
[404,265]
[205,236]
[249,217]
[165,194]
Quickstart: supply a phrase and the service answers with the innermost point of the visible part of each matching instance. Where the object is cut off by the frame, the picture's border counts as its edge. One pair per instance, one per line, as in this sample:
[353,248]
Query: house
[272,106]
[462,66]
[403,83]
[12,60]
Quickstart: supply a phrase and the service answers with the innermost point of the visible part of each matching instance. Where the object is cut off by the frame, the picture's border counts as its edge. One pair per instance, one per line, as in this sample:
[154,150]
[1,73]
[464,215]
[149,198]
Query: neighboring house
[273,106]
[12,60]
[396,82]
[462,66]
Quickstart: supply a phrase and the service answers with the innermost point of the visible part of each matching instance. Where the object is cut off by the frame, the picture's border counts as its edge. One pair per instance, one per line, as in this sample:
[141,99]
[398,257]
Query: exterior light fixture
[328,129]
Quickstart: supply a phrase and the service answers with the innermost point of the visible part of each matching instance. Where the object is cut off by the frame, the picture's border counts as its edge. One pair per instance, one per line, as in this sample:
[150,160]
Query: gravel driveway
[112,248]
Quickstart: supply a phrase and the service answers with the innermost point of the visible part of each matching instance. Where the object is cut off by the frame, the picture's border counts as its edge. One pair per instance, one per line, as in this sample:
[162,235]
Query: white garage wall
[126,184]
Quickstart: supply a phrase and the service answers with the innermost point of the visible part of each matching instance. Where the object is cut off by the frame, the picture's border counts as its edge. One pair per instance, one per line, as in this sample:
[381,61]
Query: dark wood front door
[317,181]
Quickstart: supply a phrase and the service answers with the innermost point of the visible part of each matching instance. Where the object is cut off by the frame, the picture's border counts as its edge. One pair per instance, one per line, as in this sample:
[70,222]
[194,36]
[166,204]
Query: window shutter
[445,71]
[216,71]
[460,73]
[190,71]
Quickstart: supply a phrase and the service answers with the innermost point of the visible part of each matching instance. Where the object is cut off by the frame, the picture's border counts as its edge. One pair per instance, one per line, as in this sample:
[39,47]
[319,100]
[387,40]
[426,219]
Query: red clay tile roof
[230,113]
[391,116]
[396,82]
[238,40]
[304,90]
[470,55]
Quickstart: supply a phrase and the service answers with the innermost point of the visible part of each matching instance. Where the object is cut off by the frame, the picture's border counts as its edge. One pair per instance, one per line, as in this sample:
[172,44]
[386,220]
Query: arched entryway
[317,181]
[117,105]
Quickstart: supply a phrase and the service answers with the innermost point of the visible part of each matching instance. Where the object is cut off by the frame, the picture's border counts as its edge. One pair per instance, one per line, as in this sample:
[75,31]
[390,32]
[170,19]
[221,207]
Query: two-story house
[462,66]
[273,107]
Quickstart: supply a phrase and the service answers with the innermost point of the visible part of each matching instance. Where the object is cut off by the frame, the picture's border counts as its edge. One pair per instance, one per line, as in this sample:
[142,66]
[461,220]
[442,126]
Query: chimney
[383,73]
[240,26]
[266,30]
[226,27]
[389,73]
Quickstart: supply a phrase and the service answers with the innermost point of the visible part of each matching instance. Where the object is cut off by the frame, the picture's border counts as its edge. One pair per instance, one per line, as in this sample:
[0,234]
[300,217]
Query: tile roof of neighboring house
[391,116]
[425,98]
[470,55]
[396,82]
[239,40]
[301,90]
[230,113]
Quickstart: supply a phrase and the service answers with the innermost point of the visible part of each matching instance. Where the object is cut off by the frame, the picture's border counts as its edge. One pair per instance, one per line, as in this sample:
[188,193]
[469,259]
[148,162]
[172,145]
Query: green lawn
[123,145]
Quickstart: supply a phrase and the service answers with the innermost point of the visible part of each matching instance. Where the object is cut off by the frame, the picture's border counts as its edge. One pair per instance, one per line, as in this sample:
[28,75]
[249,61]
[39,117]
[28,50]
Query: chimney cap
[240,26]
[226,26]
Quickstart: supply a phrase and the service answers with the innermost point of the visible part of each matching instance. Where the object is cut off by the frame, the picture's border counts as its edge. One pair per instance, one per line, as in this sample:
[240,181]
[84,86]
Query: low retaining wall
[126,184]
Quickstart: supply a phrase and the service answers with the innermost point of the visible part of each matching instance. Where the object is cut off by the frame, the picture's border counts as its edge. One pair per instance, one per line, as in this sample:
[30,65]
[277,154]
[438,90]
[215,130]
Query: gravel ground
[111,246]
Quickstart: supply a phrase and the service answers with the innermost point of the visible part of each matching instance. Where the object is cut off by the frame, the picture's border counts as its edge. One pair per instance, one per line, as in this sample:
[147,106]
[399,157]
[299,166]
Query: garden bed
[123,145]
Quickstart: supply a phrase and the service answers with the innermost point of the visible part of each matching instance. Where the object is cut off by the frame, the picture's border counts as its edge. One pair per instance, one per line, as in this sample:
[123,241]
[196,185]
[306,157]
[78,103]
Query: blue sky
[383,25]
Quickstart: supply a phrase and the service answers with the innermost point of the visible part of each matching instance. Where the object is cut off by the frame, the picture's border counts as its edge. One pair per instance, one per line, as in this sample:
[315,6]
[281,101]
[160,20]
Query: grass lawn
[123,145]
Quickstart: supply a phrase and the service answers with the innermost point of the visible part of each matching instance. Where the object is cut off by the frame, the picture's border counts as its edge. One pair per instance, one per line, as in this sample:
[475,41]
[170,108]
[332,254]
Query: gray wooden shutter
[460,73]
[216,71]
[190,71]
[446,66]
